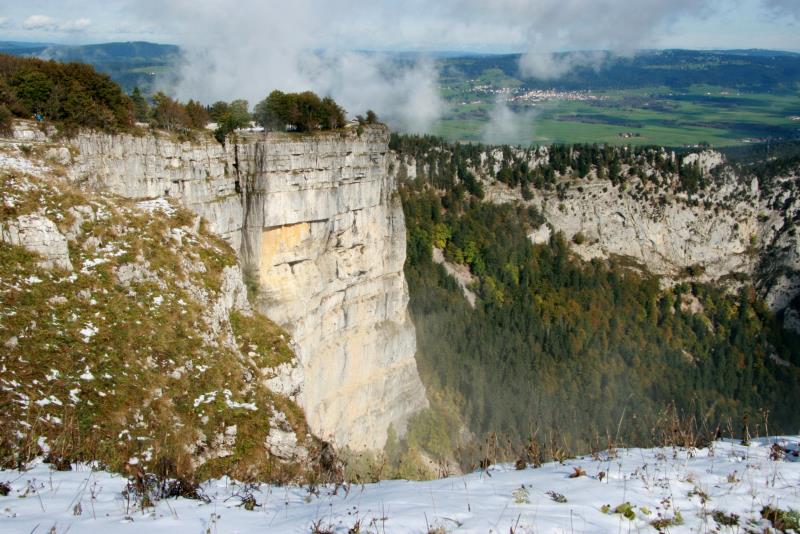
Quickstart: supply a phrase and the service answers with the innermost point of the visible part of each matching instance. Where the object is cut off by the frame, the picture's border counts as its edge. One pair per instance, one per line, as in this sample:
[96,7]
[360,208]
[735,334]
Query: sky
[244,48]
[479,25]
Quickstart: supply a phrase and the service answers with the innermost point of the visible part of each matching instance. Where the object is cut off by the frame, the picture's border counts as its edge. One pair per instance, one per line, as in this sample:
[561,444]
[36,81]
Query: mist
[261,46]
[508,127]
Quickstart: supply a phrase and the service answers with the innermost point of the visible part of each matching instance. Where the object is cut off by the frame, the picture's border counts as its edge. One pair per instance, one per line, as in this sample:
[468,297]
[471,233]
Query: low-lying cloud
[298,46]
[508,127]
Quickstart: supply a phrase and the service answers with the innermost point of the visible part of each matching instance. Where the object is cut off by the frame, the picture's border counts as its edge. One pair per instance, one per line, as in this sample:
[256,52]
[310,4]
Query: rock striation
[317,222]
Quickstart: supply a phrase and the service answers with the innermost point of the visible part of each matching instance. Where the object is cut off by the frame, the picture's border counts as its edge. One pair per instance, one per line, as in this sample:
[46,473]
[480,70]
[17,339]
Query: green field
[655,115]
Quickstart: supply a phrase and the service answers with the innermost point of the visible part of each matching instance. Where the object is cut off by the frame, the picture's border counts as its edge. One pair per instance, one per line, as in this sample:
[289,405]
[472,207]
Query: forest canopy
[558,344]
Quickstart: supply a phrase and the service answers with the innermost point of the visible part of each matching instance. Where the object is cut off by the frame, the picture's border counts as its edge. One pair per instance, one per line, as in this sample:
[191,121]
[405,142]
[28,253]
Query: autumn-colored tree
[169,114]
[198,116]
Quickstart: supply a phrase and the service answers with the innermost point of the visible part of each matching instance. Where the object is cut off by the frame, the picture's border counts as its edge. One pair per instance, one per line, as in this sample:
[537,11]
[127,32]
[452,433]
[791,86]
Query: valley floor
[726,488]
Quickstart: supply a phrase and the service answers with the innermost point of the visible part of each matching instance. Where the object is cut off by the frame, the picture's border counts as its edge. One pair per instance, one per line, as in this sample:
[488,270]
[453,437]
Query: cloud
[76,25]
[47,23]
[269,45]
[780,8]
[5,22]
[507,126]
[550,26]
[553,65]
[39,22]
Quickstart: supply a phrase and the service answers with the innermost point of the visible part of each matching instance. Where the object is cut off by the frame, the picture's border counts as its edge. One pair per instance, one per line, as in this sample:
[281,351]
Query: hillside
[128,337]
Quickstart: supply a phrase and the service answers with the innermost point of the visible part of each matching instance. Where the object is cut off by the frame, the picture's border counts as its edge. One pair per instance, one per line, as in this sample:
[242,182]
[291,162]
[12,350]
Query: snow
[727,477]
[88,332]
[159,204]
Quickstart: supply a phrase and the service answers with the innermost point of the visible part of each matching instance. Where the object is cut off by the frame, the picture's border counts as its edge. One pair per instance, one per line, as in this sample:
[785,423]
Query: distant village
[522,95]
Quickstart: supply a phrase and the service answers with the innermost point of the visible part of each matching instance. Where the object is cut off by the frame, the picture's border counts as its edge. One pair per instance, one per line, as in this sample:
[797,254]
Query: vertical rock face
[317,221]
[325,234]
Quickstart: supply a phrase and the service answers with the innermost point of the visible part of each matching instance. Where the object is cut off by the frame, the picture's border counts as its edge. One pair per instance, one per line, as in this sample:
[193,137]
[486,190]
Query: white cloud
[47,23]
[76,25]
[506,126]
[39,22]
[5,22]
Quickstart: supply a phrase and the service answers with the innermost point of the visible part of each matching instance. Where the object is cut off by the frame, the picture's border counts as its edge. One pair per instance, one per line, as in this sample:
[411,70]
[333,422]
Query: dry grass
[131,374]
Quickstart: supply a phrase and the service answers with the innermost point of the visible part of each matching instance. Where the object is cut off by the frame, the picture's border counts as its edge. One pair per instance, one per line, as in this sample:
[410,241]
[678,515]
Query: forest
[583,349]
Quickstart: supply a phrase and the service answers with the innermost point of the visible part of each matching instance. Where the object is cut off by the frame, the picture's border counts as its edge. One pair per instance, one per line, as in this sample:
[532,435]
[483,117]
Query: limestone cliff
[317,221]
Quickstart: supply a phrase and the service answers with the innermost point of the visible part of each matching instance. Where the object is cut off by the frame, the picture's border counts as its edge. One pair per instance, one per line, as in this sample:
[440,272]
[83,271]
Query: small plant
[557,497]
[577,472]
[5,489]
[626,510]
[521,496]
[663,523]
[726,520]
[317,527]
[704,498]
[783,520]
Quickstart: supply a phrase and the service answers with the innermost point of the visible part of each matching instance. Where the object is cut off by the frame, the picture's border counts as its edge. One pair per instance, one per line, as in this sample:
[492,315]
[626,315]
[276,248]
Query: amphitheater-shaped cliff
[737,228]
[318,225]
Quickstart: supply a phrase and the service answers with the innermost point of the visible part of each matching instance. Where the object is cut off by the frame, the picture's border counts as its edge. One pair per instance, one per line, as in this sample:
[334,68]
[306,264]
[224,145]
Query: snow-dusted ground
[663,483]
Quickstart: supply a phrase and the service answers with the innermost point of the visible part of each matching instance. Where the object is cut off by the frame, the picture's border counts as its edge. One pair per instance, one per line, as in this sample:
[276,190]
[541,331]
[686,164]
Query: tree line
[74,95]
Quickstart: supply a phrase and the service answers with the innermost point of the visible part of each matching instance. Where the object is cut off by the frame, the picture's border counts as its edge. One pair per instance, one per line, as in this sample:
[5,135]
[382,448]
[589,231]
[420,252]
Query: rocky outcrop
[667,237]
[41,236]
[463,277]
[317,222]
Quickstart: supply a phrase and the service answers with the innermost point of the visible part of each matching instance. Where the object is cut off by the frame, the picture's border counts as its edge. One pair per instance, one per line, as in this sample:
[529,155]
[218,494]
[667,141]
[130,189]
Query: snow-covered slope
[698,490]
